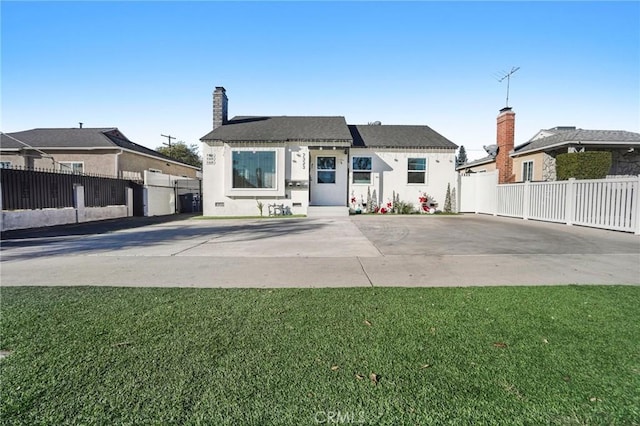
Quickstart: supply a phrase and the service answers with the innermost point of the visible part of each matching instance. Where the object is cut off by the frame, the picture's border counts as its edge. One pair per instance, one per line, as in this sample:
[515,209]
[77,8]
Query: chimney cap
[505,109]
[220,89]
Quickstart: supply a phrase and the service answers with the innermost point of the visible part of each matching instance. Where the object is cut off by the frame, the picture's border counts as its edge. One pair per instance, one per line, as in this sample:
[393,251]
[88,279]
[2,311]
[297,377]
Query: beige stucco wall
[14,159]
[537,158]
[138,163]
[102,162]
[96,162]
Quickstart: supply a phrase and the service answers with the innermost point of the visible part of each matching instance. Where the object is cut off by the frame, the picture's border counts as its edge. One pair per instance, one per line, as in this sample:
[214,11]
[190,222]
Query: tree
[447,200]
[462,156]
[181,152]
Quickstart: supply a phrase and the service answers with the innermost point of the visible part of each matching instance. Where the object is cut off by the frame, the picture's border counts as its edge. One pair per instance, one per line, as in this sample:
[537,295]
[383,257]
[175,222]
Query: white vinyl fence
[603,203]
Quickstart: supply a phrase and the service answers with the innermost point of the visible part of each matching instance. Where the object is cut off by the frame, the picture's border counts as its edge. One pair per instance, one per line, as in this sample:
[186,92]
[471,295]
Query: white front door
[328,180]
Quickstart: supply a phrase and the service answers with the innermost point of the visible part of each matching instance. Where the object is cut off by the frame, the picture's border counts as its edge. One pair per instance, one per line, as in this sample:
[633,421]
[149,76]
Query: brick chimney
[220,102]
[505,140]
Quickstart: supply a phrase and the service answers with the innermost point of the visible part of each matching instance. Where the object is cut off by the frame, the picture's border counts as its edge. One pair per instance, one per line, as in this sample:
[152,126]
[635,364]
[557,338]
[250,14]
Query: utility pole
[169,137]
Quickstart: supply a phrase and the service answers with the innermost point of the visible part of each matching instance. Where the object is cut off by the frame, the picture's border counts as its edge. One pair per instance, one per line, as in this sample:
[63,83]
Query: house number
[304,161]
[211,159]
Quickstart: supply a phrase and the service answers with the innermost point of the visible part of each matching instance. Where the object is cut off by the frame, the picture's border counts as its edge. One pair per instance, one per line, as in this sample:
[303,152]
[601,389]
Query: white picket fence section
[602,203]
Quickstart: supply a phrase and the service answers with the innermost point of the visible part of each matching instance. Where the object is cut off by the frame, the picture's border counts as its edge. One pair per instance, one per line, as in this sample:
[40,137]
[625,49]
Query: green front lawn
[515,355]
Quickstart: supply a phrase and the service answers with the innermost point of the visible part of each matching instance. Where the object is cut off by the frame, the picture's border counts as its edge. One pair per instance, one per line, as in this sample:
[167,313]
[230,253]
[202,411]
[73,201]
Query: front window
[527,171]
[254,169]
[362,170]
[72,167]
[326,169]
[417,168]
[5,164]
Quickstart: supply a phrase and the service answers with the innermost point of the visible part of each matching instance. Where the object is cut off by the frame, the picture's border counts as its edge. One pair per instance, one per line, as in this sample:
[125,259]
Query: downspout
[117,164]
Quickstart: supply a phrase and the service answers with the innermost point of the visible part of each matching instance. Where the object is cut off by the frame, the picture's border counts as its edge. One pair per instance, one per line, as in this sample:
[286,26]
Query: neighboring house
[535,160]
[498,158]
[318,165]
[481,165]
[104,151]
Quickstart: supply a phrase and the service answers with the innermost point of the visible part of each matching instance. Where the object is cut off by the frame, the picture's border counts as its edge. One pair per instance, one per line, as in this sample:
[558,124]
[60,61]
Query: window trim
[226,152]
[527,170]
[361,171]
[69,166]
[254,151]
[333,170]
[417,171]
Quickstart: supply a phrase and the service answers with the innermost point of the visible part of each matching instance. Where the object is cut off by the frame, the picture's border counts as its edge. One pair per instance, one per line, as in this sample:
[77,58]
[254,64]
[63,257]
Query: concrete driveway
[357,251]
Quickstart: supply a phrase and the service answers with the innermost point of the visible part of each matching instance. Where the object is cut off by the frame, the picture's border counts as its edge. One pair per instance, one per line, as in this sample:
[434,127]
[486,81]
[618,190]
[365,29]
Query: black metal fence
[28,189]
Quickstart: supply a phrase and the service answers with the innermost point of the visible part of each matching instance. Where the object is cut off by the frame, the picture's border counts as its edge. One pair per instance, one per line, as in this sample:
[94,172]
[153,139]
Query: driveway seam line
[190,248]
[364,271]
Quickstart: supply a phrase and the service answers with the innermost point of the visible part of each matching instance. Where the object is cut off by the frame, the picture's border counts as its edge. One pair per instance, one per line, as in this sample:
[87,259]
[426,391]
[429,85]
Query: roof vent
[564,128]
[375,123]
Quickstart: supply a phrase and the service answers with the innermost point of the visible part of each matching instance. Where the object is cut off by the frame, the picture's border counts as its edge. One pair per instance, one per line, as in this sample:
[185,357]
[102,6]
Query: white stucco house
[318,166]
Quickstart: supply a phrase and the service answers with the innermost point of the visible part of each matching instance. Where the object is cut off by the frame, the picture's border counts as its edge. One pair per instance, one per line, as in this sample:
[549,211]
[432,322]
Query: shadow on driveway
[90,238]
[91,228]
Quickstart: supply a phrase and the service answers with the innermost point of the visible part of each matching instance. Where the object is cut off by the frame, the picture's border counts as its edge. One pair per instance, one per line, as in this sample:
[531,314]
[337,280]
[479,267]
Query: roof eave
[560,144]
[346,142]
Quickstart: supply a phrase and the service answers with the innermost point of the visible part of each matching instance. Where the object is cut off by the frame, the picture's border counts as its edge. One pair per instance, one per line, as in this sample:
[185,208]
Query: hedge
[583,165]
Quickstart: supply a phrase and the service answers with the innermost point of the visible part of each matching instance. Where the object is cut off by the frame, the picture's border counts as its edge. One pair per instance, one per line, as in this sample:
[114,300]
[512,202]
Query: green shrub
[583,165]
[404,208]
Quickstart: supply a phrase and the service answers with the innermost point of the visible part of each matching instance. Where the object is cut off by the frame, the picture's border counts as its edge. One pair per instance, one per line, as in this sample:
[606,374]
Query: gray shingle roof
[479,161]
[398,136]
[109,137]
[281,129]
[571,136]
[60,138]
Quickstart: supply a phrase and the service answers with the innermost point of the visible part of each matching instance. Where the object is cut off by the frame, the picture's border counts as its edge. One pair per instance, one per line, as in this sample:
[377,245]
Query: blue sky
[149,68]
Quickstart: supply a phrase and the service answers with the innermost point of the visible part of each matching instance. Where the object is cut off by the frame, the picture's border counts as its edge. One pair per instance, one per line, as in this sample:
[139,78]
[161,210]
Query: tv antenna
[507,75]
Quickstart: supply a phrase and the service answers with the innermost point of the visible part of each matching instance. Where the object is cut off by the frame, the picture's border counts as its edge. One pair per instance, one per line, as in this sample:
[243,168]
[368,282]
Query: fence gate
[189,196]
[477,192]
